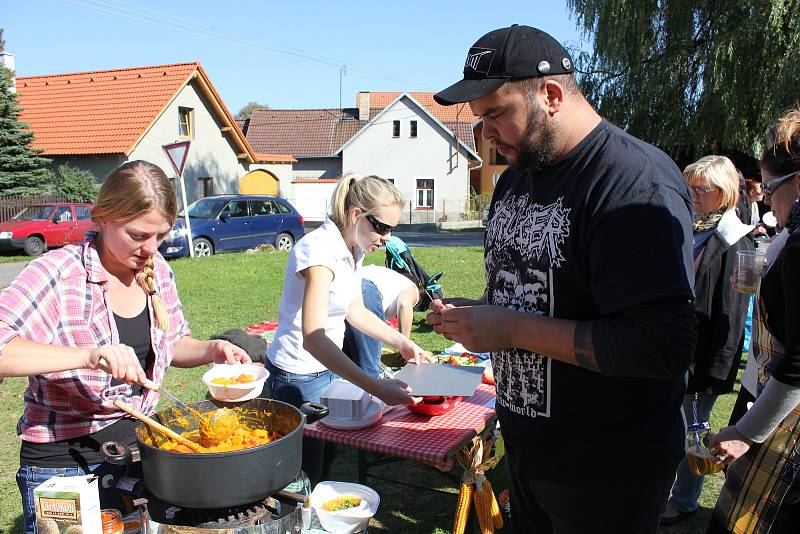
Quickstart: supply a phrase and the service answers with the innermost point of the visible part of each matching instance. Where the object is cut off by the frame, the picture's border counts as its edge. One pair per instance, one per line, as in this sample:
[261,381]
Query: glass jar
[112,521]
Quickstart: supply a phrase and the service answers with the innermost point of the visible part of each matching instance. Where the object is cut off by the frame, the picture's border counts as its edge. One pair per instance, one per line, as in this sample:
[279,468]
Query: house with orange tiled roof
[427,150]
[98,120]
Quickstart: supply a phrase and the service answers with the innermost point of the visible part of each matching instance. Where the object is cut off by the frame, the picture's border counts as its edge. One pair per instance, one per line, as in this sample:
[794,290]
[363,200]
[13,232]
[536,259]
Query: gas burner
[220,518]
[276,514]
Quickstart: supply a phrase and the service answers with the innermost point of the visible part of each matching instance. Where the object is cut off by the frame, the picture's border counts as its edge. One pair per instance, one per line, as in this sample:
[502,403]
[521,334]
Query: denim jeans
[295,389]
[28,477]
[688,486]
[365,351]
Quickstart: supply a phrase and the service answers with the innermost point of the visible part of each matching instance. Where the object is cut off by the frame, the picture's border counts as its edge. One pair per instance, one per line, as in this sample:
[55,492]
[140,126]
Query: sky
[286,54]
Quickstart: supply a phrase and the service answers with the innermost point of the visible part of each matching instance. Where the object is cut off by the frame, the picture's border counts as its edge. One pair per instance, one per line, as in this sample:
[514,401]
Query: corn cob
[462,509]
[497,516]
[483,509]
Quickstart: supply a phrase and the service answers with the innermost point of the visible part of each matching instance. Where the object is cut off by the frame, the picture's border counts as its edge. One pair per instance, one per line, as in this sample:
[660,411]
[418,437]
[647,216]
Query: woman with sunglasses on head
[718,235]
[322,289]
[82,320]
[762,485]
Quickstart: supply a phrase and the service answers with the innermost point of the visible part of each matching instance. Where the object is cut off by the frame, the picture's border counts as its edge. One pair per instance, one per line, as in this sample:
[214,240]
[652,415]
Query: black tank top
[85,450]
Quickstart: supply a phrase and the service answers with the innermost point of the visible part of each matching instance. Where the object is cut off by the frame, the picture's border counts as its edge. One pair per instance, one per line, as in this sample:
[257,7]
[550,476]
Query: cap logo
[543,67]
[479,60]
[566,63]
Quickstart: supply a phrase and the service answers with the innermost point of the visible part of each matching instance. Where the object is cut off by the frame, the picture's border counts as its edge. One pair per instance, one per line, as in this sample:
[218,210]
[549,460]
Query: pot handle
[116,453]
[313,411]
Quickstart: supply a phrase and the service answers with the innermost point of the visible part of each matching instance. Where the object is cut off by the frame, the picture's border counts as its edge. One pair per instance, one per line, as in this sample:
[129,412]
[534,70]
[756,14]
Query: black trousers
[584,506]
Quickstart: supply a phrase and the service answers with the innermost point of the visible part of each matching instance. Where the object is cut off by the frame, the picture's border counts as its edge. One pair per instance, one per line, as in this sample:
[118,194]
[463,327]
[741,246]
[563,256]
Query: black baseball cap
[506,54]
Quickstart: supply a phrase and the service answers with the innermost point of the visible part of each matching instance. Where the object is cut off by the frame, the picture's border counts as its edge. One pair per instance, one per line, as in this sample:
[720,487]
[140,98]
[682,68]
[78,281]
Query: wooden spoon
[155,425]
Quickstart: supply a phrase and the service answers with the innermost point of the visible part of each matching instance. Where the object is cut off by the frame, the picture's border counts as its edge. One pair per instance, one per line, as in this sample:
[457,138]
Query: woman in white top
[322,288]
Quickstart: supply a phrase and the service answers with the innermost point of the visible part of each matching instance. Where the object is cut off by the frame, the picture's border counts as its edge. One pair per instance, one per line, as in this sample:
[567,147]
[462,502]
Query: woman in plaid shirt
[111,298]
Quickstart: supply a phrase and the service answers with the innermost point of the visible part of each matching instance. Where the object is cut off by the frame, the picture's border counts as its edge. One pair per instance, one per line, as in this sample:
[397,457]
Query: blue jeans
[295,389]
[28,477]
[365,351]
[688,486]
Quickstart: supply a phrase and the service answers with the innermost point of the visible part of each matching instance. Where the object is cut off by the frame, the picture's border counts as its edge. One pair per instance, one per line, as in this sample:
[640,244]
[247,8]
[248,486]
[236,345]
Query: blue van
[229,223]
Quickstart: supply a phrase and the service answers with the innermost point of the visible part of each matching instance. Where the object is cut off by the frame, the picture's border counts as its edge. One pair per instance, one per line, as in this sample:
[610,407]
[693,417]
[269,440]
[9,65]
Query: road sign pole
[186,217]
[177,154]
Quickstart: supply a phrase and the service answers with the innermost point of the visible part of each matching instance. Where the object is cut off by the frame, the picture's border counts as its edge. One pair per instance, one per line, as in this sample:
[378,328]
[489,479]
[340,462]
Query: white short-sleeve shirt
[390,283]
[326,247]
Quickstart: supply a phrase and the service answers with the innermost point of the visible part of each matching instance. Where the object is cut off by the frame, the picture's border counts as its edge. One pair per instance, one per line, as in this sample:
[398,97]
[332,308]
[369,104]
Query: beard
[537,147]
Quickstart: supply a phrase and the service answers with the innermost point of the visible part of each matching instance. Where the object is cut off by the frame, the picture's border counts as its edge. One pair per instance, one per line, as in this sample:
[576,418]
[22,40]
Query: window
[206,186]
[395,128]
[185,123]
[496,158]
[283,208]
[237,208]
[83,213]
[63,214]
[424,193]
[261,207]
[413,129]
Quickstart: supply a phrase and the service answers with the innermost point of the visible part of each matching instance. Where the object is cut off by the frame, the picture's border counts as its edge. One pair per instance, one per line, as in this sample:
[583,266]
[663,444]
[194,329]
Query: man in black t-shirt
[588,306]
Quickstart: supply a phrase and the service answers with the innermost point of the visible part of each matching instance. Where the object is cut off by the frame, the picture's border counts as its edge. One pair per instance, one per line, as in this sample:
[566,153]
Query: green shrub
[77,185]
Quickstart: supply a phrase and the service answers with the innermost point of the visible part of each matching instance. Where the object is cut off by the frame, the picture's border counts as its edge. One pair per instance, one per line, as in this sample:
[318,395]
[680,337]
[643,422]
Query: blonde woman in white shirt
[322,288]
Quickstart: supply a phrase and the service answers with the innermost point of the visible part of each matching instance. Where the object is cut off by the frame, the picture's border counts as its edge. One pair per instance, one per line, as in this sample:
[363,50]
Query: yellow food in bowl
[242,438]
[230,380]
[341,503]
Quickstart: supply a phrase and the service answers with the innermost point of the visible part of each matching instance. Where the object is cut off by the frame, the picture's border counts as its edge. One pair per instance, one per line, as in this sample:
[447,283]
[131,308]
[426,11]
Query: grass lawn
[14,257]
[234,290]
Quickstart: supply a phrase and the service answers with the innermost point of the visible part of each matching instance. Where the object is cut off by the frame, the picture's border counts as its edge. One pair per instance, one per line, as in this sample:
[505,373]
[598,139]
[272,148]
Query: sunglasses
[379,227]
[702,191]
[775,183]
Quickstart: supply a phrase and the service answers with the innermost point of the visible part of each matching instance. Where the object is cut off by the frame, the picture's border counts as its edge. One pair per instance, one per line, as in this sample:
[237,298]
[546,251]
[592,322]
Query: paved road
[9,271]
[441,239]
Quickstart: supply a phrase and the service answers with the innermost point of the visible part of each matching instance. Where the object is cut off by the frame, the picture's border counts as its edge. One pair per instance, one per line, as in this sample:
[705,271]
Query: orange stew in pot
[243,437]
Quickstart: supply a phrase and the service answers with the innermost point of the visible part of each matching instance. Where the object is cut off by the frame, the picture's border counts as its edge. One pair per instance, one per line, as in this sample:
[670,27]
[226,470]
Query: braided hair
[129,190]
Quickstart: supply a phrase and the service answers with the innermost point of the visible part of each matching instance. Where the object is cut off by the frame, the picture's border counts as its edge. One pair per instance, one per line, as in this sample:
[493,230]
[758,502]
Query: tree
[685,74]
[246,111]
[22,170]
[76,184]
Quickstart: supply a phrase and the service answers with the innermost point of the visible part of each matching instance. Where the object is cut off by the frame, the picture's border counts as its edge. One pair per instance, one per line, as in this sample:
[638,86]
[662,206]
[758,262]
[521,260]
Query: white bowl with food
[235,382]
[344,507]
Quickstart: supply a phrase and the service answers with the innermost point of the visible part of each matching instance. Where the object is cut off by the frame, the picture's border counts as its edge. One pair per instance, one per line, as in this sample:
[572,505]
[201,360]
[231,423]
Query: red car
[42,226]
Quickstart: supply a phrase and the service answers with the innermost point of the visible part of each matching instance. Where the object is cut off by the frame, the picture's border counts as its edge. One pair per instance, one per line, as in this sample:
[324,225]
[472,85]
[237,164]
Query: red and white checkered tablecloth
[404,434]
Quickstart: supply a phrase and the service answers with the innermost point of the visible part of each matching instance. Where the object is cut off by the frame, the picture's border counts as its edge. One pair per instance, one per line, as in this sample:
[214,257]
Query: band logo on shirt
[524,243]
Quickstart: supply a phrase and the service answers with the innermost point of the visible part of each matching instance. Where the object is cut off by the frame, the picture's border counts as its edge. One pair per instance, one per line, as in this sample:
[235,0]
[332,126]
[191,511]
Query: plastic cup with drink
[749,268]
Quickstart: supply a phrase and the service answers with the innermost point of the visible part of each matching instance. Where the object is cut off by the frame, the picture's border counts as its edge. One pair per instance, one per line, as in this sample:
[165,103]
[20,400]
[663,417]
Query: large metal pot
[221,479]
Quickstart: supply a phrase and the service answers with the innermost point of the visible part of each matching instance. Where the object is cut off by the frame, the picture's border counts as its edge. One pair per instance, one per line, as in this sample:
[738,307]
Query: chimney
[363,105]
[7,60]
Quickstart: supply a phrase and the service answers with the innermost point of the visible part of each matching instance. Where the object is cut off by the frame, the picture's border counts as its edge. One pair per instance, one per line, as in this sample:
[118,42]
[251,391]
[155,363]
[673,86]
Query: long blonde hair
[718,171]
[368,194]
[129,190]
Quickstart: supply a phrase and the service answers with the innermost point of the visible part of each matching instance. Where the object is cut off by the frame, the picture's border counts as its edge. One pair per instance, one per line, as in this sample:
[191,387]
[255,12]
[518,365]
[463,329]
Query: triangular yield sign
[177,153]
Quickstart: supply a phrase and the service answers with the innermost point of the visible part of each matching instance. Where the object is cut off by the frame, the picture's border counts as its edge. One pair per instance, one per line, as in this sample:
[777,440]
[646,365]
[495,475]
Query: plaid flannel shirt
[61,299]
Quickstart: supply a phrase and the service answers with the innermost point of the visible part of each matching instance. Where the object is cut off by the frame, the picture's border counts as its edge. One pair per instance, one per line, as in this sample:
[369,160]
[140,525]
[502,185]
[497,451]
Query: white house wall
[312,200]
[211,154]
[404,159]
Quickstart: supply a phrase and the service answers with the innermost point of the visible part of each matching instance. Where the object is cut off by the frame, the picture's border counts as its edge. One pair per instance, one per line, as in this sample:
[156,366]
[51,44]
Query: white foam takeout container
[345,400]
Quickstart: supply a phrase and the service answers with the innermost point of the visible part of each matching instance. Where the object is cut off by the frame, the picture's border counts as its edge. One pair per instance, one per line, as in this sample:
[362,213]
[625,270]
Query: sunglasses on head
[770,186]
[379,227]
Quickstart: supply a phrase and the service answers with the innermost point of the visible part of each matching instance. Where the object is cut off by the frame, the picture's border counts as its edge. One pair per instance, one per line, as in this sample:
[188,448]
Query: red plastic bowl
[435,405]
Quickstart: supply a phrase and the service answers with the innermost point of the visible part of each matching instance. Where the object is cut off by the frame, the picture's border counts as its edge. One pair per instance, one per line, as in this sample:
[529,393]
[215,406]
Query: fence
[10,205]
[443,210]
